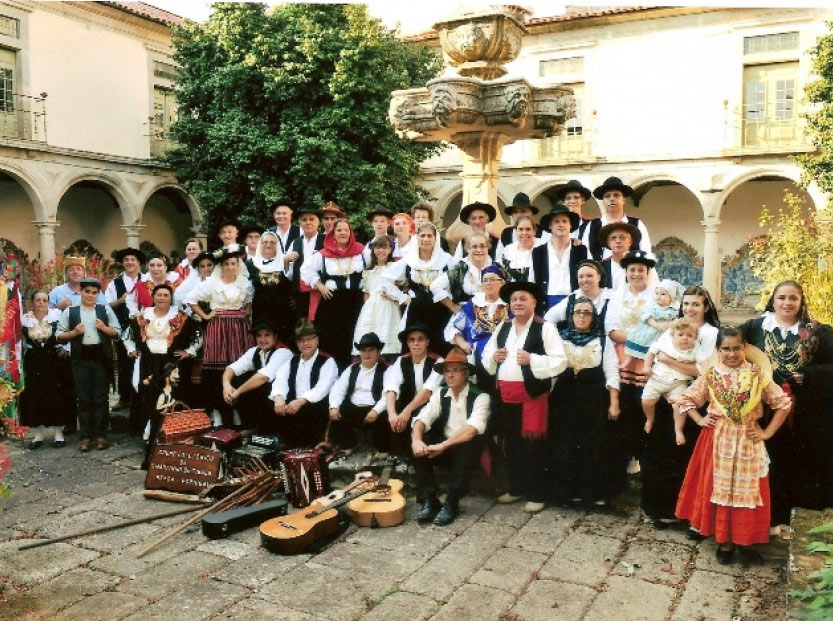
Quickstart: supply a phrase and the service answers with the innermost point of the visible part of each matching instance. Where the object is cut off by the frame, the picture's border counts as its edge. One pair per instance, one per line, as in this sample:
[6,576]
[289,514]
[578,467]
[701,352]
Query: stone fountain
[475,105]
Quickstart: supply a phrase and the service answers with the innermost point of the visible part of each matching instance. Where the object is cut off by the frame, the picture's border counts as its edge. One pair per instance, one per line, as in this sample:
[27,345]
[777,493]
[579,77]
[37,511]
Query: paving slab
[607,525]
[395,565]
[104,606]
[402,606]
[631,599]
[28,567]
[159,580]
[489,604]
[232,550]
[410,537]
[200,599]
[27,516]
[655,561]
[259,568]
[509,569]
[256,608]
[508,515]
[707,595]
[546,600]
[582,559]
[544,532]
[46,598]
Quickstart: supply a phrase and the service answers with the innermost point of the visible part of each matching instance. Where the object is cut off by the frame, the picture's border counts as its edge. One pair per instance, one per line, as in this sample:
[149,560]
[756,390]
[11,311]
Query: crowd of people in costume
[555,351]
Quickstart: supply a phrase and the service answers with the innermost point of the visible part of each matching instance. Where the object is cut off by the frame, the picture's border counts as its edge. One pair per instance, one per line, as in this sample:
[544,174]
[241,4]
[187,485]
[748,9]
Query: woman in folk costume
[585,410]
[227,332]
[404,235]
[423,264]
[726,488]
[462,281]
[156,275]
[516,258]
[380,313]
[272,291]
[185,269]
[590,275]
[336,273]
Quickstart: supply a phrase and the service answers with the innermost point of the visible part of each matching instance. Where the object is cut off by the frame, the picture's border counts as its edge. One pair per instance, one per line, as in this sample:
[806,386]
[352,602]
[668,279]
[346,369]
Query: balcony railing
[160,141]
[752,130]
[23,117]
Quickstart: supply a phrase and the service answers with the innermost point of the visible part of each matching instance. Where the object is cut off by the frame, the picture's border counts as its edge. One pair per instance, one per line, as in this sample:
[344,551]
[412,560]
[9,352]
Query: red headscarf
[331,249]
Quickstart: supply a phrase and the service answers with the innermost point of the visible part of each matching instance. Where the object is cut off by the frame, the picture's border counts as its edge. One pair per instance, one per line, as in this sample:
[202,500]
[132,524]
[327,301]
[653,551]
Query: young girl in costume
[380,313]
[725,493]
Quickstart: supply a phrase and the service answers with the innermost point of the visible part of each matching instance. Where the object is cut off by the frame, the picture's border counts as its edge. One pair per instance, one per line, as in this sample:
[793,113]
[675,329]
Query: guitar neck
[389,464]
[344,500]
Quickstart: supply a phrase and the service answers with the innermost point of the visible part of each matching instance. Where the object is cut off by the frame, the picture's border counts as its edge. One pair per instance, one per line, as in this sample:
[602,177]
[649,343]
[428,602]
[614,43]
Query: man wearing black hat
[227,232]
[521,206]
[379,220]
[121,296]
[555,264]
[284,229]
[357,398]
[477,215]
[612,194]
[574,195]
[250,234]
[302,248]
[409,383]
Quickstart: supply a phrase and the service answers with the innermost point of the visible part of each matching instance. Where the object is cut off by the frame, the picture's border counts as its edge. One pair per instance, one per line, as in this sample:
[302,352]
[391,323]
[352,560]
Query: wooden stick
[101,529]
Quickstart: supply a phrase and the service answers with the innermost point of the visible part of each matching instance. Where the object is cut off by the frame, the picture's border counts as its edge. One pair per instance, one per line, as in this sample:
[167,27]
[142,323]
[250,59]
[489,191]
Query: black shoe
[59,443]
[724,557]
[35,444]
[446,515]
[429,510]
[750,557]
[660,524]
[694,535]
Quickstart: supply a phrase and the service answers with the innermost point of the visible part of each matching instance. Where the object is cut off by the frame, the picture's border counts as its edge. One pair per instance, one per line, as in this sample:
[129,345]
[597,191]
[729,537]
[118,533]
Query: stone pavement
[494,562]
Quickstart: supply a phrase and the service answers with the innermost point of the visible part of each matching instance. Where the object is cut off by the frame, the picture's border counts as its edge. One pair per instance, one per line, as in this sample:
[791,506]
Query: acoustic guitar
[384,506]
[294,533]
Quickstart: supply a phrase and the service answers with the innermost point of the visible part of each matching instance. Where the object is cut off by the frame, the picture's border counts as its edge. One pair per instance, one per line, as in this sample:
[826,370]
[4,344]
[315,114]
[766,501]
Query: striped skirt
[227,337]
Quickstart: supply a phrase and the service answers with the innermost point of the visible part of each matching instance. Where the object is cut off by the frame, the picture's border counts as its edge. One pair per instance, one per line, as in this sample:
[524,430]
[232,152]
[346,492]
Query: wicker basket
[183,424]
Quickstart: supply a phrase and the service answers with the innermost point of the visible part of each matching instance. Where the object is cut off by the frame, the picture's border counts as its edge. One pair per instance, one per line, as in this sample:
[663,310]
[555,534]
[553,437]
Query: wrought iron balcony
[23,117]
[755,129]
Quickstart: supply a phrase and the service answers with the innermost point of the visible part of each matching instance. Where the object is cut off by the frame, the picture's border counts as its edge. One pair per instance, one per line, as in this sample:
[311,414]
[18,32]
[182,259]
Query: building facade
[86,95]
[698,109]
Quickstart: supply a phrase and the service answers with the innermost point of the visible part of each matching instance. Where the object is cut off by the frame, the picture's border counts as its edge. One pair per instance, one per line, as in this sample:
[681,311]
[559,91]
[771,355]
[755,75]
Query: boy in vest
[88,328]
[574,195]
[613,194]
[300,390]
[525,355]
[357,398]
[449,428]
[245,380]
[409,383]
[121,296]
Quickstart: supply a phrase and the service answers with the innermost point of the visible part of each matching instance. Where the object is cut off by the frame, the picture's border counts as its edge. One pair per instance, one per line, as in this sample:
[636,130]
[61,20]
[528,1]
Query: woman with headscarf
[336,273]
[423,264]
[585,409]
[272,292]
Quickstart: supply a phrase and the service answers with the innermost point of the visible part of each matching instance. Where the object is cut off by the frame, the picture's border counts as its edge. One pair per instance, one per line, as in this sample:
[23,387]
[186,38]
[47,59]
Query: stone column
[46,235]
[711,258]
[132,231]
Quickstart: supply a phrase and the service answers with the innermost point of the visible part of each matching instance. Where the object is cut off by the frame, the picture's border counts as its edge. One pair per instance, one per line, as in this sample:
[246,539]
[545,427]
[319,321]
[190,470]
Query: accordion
[264,448]
[305,475]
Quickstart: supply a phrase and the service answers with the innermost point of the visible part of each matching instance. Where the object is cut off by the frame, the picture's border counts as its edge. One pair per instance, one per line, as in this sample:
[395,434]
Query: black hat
[128,252]
[249,228]
[465,212]
[573,185]
[228,221]
[559,209]
[308,209]
[379,210]
[414,327]
[612,183]
[607,229]
[205,254]
[227,252]
[90,282]
[520,200]
[264,325]
[369,340]
[509,288]
[637,256]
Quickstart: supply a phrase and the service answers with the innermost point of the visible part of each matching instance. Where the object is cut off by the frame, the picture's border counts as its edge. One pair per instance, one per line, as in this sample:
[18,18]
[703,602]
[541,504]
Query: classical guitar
[294,533]
[384,506]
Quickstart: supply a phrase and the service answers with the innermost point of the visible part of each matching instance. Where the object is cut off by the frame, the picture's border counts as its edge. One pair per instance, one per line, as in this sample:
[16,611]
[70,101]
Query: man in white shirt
[357,398]
[302,248]
[524,355]
[300,390]
[121,296]
[555,264]
[613,194]
[450,429]
[284,229]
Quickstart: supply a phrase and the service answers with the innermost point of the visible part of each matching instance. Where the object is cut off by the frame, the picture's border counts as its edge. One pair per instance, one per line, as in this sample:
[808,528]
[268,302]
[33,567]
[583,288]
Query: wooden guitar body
[290,534]
[382,507]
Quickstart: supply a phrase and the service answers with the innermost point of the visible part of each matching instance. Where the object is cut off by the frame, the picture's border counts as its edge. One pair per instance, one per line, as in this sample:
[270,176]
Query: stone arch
[443,201]
[92,208]
[111,185]
[669,208]
[29,186]
[188,200]
[773,172]
[168,218]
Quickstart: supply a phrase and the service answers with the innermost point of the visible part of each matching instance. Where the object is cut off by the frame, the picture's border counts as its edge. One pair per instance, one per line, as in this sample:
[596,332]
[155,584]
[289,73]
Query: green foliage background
[290,103]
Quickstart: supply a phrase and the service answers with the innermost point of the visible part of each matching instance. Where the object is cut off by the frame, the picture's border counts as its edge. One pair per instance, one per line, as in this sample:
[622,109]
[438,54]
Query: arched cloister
[168,219]
[91,209]
[18,211]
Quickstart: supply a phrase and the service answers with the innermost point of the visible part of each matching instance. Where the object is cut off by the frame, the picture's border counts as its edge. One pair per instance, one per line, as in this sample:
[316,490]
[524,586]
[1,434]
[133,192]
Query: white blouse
[220,295]
[313,266]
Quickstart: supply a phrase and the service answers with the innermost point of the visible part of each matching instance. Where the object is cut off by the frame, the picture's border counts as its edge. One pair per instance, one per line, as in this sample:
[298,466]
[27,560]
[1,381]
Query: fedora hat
[509,288]
[308,209]
[228,222]
[332,208]
[417,326]
[457,356]
[558,209]
[465,212]
[520,200]
[607,229]
[573,185]
[380,210]
[205,254]
[304,327]
[371,339]
[612,183]
[637,256]
[131,252]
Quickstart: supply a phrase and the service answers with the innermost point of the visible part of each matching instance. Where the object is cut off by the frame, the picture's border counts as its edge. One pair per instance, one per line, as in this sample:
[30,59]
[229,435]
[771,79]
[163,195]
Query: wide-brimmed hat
[607,229]
[457,356]
[264,325]
[332,208]
[465,212]
[227,252]
[637,256]
[228,222]
[520,200]
[509,288]
[380,210]
[573,185]
[612,183]
[205,254]
[417,326]
[131,252]
[303,328]
[90,282]
[560,209]
[371,339]
[249,228]
[308,209]
[70,260]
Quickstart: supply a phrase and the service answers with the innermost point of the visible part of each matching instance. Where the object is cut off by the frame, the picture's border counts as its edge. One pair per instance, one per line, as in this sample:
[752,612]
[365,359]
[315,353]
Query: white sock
[216,418]
[237,422]
[38,434]
[59,434]
[146,434]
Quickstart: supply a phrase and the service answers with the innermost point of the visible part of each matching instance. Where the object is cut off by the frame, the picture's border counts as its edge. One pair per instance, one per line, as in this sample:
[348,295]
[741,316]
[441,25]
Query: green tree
[818,165]
[291,103]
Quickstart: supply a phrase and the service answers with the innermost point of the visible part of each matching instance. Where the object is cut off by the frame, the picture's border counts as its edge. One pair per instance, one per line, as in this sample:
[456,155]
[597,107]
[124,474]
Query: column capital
[46,224]
[133,228]
[711,225]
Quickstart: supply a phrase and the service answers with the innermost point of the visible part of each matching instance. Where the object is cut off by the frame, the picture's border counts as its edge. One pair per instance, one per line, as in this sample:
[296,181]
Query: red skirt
[227,337]
[737,525]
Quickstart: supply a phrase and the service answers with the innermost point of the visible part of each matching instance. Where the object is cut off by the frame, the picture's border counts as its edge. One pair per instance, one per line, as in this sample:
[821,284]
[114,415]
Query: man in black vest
[555,264]
[449,428]
[284,229]
[121,295]
[613,194]
[303,247]
[300,390]
[574,195]
[357,399]
[409,383]
[524,355]
[88,328]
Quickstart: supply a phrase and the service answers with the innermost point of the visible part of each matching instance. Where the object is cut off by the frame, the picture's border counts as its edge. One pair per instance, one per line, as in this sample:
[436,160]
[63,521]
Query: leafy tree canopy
[818,166]
[290,104]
